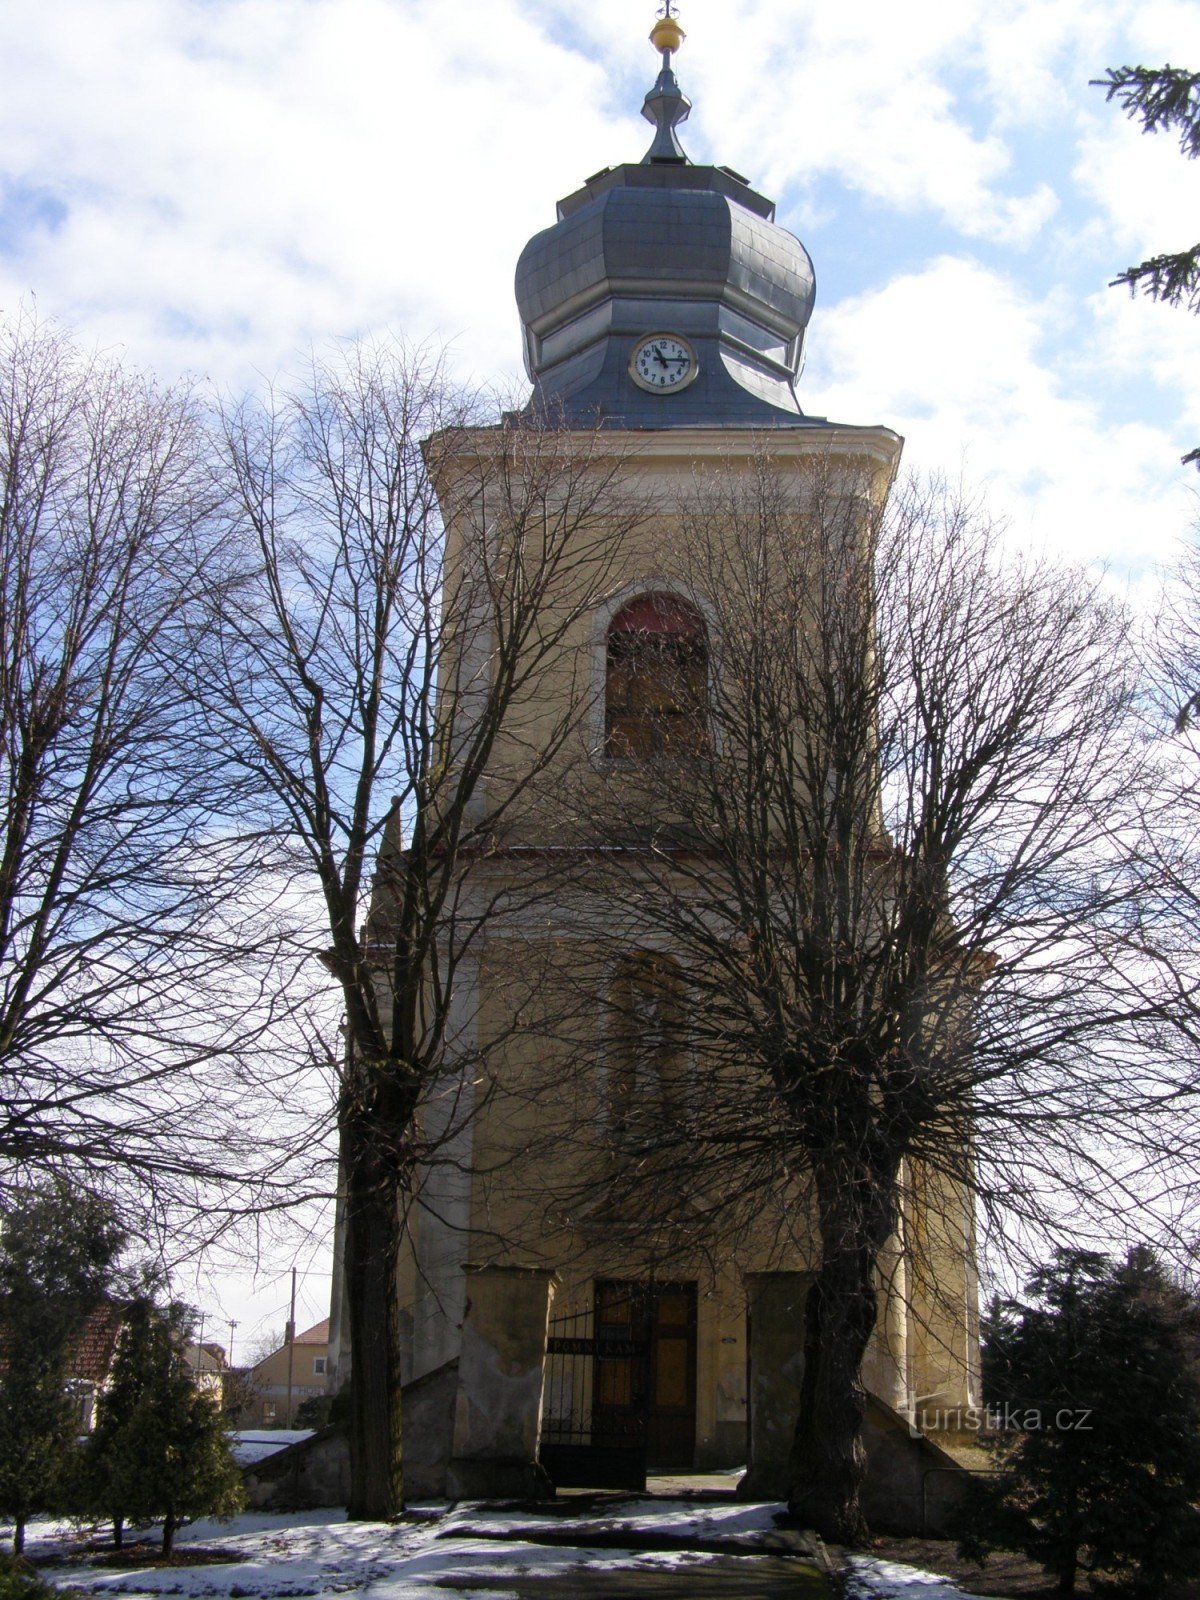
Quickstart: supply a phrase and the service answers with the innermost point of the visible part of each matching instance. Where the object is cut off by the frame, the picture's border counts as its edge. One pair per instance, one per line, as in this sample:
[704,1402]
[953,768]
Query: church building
[666,307]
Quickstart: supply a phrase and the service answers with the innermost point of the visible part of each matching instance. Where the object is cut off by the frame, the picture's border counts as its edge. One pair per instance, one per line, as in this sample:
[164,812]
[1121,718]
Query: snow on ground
[880,1580]
[293,1557]
[249,1448]
[306,1555]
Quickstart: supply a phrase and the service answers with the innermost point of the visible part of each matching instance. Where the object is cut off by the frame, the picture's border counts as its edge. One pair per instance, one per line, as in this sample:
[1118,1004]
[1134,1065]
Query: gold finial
[667,35]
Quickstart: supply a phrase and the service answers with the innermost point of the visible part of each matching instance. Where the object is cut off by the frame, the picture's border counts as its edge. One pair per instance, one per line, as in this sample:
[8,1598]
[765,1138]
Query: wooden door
[671,1415]
[648,1383]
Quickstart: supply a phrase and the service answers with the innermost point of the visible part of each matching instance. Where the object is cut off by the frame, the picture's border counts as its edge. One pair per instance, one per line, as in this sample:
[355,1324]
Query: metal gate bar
[584,1443]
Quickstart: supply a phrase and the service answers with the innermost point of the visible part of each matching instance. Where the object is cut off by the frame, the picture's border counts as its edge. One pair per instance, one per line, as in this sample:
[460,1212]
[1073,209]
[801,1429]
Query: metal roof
[664,246]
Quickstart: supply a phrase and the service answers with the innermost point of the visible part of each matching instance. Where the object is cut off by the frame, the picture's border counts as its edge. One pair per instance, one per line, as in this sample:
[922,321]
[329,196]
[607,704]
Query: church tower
[664,312]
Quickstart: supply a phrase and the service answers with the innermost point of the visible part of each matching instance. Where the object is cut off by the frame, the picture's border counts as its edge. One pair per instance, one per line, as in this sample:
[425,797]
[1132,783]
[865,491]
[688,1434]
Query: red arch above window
[658,613]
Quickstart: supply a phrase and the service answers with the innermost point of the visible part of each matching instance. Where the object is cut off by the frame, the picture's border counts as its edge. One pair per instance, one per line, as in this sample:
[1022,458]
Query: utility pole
[200,1349]
[232,1326]
[291,1344]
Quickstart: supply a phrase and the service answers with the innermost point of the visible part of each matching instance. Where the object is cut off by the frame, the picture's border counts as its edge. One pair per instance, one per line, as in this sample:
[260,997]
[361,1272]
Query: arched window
[657,677]
[645,1080]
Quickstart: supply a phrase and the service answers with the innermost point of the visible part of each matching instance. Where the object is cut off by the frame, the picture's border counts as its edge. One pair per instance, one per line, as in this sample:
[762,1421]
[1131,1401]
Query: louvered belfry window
[657,677]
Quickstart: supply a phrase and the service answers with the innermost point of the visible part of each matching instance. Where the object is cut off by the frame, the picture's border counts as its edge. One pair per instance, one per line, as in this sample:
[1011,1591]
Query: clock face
[662,363]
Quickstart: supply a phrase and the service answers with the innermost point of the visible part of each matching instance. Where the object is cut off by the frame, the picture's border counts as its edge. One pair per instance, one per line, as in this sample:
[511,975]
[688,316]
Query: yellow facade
[283,1380]
[518,1174]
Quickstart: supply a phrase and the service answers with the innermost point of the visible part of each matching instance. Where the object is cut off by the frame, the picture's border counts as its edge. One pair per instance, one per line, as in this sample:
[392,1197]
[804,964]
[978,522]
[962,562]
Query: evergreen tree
[159,1448]
[57,1249]
[110,1477]
[1167,99]
[1098,1378]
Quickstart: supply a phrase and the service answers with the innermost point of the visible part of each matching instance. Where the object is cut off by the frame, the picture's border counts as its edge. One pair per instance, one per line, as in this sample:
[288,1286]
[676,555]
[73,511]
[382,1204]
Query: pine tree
[159,1448]
[1099,1377]
[1163,99]
[57,1249]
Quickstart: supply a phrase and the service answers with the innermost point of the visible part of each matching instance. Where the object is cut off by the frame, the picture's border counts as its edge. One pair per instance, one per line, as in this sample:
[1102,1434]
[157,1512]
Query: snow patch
[880,1580]
[248,1449]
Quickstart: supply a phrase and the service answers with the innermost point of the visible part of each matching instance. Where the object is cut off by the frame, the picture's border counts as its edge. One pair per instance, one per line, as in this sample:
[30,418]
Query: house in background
[91,1354]
[209,1368]
[306,1359]
[91,1359]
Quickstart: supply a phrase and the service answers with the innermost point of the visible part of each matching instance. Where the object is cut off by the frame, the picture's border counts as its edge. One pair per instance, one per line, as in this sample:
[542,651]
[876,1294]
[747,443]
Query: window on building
[319,1366]
[656,679]
[646,1077]
[268,1410]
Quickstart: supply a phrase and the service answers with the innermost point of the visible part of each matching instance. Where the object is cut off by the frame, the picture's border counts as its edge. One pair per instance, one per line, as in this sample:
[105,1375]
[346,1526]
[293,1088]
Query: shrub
[1102,1471]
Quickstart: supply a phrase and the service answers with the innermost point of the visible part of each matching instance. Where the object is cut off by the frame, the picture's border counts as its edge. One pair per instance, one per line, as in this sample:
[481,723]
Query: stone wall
[498,1406]
[775,1318]
[316,1472]
[470,1428]
[911,1486]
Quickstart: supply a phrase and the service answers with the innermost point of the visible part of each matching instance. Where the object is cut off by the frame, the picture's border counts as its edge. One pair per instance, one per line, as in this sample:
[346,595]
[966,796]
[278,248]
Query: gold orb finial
[666,33]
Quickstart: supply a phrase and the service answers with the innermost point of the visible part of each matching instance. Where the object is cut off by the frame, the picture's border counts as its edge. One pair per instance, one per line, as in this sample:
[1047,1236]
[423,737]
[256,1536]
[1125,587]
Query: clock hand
[663,361]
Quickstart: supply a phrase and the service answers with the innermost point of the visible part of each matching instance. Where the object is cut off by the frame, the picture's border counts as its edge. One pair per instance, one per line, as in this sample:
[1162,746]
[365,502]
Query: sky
[214,186]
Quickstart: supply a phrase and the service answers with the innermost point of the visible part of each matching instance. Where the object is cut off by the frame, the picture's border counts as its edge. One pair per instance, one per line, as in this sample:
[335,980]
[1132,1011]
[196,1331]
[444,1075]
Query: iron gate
[594,1402]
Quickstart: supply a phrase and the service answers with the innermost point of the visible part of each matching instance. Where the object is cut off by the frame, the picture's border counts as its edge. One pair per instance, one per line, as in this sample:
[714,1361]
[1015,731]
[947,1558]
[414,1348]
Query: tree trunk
[168,1544]
[19,1536]
[118,1533]
[829,1459]
[372,1261]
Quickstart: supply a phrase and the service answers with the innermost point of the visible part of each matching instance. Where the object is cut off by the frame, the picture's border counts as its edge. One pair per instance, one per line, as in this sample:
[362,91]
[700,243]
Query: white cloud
[1142,342]
[954,357]
[1144,189]
[277,172]
[866,93]
[243,178]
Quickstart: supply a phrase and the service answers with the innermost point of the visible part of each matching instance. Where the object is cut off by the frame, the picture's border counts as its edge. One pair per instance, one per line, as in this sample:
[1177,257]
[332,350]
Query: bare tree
[115,1038]
[892,849]
[410,578]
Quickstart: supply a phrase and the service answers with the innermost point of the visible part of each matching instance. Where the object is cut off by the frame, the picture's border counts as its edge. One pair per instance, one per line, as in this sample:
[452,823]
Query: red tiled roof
[92,1356]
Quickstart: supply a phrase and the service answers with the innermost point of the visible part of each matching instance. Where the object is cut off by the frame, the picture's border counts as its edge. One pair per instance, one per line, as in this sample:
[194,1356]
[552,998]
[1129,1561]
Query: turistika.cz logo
[1004,1419]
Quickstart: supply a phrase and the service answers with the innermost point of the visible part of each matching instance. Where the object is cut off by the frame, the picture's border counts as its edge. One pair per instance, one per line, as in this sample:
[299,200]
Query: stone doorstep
[707,1578]
[796,1543]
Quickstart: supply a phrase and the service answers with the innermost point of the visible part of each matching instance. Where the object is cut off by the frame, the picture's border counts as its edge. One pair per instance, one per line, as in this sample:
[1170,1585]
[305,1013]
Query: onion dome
[666,295]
